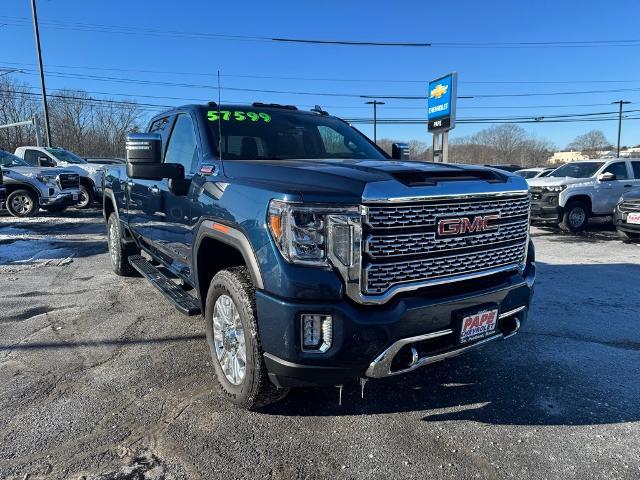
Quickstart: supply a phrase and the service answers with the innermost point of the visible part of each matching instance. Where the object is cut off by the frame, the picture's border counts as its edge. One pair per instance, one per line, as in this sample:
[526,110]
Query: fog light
[317,332]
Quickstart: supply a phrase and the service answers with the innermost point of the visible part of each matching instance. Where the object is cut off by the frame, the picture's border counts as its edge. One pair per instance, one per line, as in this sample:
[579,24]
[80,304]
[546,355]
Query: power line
[101,78]
[327,79]
[128,30]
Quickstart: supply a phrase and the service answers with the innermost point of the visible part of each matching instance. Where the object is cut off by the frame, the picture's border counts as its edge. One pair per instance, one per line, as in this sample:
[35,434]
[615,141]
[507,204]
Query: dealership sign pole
[441,113]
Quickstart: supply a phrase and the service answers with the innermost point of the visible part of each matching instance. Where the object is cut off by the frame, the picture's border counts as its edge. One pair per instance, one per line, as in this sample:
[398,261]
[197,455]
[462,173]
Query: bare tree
[590,144]
[79,122]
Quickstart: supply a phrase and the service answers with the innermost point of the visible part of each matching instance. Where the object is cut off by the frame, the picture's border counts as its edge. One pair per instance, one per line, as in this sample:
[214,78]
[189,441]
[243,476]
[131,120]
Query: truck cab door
[175,233]
[143,197]
[607,193]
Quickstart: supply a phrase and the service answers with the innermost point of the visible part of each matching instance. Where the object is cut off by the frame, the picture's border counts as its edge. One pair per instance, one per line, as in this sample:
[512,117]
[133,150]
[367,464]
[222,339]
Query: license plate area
[477,323]
[634,218]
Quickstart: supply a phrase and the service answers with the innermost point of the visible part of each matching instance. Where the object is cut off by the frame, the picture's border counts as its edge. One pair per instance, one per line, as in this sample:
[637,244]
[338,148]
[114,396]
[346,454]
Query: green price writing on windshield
[226,115]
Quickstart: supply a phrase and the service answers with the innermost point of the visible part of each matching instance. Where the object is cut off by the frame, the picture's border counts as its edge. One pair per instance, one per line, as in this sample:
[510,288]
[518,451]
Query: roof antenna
[219,122]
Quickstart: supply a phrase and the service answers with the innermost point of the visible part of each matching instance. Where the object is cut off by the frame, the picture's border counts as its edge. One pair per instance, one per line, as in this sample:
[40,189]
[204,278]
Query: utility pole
[375,104]
[621,103]
[36,31]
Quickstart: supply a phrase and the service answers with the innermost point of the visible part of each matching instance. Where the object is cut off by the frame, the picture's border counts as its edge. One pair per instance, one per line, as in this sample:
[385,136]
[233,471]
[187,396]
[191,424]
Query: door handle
[628,186]
[155,189]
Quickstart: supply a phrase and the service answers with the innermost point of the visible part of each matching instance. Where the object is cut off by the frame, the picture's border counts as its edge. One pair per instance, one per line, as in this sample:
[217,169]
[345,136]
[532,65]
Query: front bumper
[364,336]
[60,200]
[546,209]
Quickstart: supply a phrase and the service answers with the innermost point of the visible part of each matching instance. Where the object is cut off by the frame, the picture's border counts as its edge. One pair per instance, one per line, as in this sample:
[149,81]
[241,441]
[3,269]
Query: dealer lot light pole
[45,107]
[621,103]
[375,104]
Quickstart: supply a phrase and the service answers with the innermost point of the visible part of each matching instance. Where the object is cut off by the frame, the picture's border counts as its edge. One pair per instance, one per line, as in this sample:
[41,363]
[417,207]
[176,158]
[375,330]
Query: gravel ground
[101,378]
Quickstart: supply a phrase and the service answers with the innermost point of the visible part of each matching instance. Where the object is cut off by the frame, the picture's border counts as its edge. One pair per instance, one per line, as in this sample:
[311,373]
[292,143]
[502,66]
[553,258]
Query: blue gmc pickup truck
[314,257]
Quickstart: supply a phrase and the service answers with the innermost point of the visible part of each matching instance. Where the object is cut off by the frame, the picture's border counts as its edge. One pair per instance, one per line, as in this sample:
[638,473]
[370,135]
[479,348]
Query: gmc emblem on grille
[462,225]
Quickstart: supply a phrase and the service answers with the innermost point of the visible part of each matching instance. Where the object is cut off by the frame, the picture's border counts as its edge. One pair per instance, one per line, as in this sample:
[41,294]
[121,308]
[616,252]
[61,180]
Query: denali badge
[459,226]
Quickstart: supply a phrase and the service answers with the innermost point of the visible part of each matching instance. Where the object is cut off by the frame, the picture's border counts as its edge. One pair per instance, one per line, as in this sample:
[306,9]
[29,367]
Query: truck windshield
[271,134]
[62,154]
[577,170]
[10,160]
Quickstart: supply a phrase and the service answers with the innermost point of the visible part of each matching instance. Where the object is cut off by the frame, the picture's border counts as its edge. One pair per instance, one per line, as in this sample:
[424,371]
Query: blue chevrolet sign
[441,104]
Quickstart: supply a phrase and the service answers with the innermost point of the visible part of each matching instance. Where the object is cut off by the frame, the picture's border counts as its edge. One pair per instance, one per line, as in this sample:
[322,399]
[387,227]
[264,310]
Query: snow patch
[31,252]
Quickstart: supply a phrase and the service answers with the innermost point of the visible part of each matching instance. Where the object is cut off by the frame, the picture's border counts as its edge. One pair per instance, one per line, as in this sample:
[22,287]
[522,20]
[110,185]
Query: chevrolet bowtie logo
[439,91]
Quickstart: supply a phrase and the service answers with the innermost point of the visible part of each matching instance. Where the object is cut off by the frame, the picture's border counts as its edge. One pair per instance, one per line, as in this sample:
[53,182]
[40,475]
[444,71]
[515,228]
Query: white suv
[579,190]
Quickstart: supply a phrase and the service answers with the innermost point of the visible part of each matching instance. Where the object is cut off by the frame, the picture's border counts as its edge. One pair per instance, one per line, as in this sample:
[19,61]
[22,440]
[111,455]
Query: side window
[334,143]
[182,144]
[636,169]
[31,156]
[619,169]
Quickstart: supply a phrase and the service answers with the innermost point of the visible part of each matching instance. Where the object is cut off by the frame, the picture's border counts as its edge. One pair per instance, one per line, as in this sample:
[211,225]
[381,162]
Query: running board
[183,301]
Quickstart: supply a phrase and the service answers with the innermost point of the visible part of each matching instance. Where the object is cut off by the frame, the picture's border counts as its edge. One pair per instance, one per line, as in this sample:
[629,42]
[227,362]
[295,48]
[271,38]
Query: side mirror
[606,177]
[46,162]
[400,151]
[144,159]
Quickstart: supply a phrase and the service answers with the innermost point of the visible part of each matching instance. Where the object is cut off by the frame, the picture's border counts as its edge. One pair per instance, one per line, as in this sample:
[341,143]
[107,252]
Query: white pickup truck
[579,190]
[91,176]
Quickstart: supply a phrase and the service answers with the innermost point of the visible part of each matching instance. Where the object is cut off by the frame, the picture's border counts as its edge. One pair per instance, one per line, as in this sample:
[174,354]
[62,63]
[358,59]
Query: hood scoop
[421,178]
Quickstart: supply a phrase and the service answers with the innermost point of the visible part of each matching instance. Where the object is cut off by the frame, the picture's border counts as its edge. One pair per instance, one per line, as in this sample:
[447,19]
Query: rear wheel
[232,335]
[575,216]
[86,197]
[119,252]
[22,203]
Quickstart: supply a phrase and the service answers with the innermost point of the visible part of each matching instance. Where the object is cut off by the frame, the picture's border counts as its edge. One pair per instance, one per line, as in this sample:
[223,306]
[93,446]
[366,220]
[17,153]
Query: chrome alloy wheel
[577,217]
[113,238]
[84,198]
[22,204]
[229,342]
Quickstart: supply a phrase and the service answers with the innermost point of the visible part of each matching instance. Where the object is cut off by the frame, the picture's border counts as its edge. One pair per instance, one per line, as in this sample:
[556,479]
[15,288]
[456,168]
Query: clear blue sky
[377,67]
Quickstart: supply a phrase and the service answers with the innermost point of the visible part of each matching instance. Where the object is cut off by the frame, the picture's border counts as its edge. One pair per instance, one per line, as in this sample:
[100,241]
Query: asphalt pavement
[100,378]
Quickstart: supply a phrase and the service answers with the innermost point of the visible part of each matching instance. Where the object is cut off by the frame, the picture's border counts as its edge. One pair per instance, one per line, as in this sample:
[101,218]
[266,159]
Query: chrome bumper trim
[380,367]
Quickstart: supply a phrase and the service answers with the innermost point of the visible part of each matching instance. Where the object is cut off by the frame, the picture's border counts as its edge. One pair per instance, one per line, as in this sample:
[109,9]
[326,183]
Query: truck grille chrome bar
[404,249]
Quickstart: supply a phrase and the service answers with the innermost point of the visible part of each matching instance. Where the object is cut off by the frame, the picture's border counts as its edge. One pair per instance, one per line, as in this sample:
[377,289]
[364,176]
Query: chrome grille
[380,277]
[630,206]
[424,214]
[401,244]
[380,246]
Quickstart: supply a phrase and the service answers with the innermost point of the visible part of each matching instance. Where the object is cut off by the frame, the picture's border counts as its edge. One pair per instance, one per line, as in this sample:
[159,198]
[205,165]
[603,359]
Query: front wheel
[575,217]
[86,197]
[232,335]
[119,252]
[22,203]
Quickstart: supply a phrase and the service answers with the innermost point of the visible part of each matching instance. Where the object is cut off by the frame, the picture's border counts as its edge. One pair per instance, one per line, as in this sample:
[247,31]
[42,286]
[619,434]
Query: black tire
[22,203]
[55,208]
[575,216]
[255,389]
[629,236]
[119,252]
[86,197]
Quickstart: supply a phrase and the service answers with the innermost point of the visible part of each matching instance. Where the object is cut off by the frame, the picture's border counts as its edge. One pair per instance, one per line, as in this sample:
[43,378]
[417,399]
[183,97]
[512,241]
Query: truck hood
[633,194]
[345,180]
[33,171]
[556,181]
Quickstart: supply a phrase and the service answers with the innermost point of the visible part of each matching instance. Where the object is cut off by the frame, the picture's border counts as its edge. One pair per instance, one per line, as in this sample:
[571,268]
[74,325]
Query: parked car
[627,214]
[579,190]
[30,188]
[106,160]
[528,173]
[91,176]
[314,258]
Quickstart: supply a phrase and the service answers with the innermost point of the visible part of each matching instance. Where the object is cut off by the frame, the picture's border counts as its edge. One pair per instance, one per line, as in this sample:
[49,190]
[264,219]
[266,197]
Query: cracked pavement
[100,378]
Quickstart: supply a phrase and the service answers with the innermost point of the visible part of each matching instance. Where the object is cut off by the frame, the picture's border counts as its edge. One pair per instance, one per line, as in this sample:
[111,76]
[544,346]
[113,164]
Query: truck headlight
[46,179]
[556,188]
[312,234]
